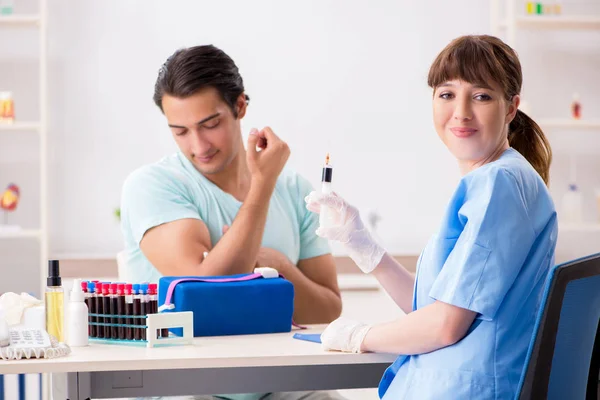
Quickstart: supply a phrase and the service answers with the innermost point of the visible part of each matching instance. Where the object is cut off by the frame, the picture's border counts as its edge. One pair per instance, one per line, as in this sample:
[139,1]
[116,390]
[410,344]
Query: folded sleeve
[311,245]
[150,198]
[492,248]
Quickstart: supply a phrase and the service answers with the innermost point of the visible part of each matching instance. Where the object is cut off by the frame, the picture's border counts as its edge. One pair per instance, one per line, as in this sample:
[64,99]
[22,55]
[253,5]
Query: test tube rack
[154,323]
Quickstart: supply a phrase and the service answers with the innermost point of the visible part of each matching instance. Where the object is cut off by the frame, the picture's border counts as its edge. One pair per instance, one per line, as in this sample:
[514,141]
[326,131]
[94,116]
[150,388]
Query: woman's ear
[241,104]
[513,107]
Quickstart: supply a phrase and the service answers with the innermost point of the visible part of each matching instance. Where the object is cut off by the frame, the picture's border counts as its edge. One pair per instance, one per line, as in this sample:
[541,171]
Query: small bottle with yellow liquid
[54,298]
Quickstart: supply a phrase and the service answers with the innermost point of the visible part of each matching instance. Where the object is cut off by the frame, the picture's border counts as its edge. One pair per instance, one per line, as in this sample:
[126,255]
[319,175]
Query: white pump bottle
[77,317]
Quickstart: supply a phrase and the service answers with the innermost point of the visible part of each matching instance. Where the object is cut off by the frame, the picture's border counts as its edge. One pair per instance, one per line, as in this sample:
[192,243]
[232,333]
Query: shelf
[19,20]
[569,123]
[350,282]
[558,22]
[19,126]
[579,228]
[17,234]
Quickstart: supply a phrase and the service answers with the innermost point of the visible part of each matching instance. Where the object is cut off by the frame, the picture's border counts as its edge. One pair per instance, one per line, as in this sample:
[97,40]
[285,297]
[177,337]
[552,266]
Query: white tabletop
[207,352]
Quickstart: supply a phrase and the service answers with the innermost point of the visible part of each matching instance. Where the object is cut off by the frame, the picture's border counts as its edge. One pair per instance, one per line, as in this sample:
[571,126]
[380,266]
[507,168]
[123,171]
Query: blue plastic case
[261,305]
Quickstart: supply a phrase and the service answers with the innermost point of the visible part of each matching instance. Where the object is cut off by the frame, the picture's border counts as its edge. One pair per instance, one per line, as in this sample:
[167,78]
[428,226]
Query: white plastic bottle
[572,205]
[6,7]
[4,332]
[77,317]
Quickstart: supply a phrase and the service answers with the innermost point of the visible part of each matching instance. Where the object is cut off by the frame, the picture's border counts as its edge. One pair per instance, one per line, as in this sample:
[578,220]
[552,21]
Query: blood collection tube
[92,308]
[129,311]
[137,311]
[145,309]
[99,300]
[86,297]
[114,311]
[153,305]
[106,305]
[121,310]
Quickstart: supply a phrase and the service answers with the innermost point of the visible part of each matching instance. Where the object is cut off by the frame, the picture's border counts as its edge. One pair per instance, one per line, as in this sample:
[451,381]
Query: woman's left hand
[344,335]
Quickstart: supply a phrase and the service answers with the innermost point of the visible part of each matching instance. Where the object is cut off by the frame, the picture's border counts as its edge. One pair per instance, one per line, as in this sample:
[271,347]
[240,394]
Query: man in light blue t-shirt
[215,208]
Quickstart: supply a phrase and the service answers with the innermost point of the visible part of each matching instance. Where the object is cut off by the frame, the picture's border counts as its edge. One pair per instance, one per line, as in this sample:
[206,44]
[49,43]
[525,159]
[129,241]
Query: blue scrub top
[491,255]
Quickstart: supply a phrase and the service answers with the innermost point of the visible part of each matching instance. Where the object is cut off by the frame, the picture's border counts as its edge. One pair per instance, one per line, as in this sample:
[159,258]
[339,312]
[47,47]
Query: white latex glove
[348,229]
[344,335]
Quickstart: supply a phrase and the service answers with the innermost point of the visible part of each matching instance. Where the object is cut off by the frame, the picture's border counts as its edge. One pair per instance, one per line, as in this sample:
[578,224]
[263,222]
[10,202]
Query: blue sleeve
[311,245]
[151,198]
[492,247]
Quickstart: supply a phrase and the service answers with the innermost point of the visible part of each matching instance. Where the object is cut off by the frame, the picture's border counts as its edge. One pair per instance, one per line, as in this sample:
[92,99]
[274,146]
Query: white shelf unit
[508,25]
[569,124]
[555,22]
[20,126]
[23,20]
[579,227]
[8,23]
[512,21]
[23,233]
[38,21]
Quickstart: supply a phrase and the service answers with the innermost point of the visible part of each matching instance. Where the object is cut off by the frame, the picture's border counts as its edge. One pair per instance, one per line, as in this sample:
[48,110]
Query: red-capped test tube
[99,300]
[129,311]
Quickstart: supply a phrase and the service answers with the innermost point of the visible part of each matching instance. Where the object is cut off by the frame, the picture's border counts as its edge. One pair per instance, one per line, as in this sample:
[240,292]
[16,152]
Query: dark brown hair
[191,69]
[480,60]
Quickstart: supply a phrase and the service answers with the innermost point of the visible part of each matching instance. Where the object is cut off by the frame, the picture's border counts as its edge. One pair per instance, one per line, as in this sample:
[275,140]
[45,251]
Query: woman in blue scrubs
[472,305]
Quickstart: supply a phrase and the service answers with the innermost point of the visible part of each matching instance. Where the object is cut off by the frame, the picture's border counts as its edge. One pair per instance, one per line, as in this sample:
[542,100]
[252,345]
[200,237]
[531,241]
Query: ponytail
[525,136]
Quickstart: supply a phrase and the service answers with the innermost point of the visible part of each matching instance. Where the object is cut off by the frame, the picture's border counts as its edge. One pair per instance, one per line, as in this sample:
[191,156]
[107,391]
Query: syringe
[326,214]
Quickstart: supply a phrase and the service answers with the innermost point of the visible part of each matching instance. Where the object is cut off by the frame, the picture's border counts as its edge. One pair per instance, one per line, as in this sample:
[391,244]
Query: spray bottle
[77,320]
[54,299]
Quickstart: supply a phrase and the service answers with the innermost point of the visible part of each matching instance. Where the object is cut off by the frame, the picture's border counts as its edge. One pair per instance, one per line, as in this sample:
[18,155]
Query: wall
[344,77]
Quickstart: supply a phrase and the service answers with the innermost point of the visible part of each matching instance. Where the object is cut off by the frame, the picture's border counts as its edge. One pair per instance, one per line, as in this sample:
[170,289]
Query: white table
[233,364]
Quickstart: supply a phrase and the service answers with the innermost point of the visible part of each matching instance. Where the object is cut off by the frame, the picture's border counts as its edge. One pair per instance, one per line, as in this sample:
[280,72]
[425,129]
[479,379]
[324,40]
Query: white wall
[327,76]
[338,76]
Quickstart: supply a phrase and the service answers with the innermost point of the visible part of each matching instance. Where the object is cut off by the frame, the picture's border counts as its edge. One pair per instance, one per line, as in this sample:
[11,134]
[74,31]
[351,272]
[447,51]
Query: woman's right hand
[266,156]
[345,217]
[347,229]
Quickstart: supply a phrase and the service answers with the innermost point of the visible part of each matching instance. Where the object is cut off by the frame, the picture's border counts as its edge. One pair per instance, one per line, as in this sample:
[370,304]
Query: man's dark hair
[189,70]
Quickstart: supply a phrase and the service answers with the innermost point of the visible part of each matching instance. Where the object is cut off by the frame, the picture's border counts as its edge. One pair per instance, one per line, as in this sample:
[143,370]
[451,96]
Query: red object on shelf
[10,198]
[7,107]
[576,107]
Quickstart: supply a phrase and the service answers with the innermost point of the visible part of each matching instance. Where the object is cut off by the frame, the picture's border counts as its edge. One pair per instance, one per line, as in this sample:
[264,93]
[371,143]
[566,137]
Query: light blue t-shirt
[173,189]
[491,255]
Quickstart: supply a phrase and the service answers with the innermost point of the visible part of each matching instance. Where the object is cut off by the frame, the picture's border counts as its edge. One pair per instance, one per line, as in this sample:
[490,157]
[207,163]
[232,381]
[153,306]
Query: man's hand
[272,258]
[266,156]
[268,257]
[316,294]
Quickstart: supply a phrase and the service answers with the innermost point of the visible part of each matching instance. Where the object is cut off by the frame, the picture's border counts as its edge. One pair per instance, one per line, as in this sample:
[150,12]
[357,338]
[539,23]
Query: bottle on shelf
[7,107]
[557,9]
[6,7]
[572,204]
[543,8]
[576,107]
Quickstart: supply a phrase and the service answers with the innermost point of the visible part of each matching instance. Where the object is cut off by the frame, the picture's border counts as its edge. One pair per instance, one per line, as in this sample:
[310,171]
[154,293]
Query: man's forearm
[313,303]
[236,252]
